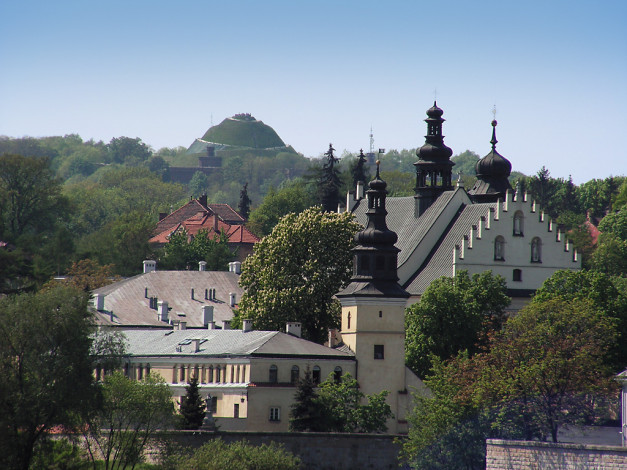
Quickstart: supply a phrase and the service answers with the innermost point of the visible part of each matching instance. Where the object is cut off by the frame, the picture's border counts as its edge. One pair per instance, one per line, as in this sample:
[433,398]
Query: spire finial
[378,164]
[493,141]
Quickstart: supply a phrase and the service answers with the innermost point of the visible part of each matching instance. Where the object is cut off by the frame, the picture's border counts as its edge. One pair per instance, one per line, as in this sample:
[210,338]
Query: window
[295,374]
[315,374]
[236,410]
[273,374]
[499,248]
[536,250]
[378,351]
[348,321]
[210,377]
[275,413]
[517,275]
[182,377]
[337,375]
[147,370]
[380,314]
[218,374]
[518,224]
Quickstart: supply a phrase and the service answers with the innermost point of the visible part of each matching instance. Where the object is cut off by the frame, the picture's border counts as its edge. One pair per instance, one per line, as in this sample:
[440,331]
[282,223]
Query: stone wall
[528,455]
[320,451]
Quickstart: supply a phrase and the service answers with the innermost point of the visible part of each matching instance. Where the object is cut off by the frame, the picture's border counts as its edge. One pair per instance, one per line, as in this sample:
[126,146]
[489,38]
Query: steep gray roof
[439,262]
[224,343]
[401,219]
[127,301]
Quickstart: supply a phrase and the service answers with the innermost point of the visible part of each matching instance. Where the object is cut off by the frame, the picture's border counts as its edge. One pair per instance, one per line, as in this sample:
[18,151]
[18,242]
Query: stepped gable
[243,130]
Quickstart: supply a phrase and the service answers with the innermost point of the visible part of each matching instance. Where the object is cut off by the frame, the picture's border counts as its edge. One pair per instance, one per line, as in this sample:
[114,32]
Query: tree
[198,184]
[542,188]
[130,414]
[240,455]
[306,414]
[358,170]
[45,367]
[244,203]
[606,297]
[128,150]
[292,198]
[182,253]
[329,184]
[30,196]
[343,409]
[192,406]
[432,325]
[544,369]
[295,271]
[337,406]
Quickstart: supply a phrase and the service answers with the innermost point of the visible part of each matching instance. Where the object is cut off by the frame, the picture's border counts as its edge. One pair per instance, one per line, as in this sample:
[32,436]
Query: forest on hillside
[64,199]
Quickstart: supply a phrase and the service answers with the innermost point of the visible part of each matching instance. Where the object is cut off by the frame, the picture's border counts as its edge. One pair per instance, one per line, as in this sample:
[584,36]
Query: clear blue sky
[326,71]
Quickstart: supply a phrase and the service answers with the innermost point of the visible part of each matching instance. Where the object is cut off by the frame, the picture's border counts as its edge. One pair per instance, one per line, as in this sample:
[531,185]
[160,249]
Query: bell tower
[434,167]
[373,306]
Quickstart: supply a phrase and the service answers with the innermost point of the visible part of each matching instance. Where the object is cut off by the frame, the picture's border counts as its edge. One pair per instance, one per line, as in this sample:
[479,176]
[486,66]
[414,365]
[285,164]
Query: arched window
[517,275]
[273,374]
[295,374]
[536,250]
[315,374]
[499,248]
[348,321]
[337,374]
[518,224]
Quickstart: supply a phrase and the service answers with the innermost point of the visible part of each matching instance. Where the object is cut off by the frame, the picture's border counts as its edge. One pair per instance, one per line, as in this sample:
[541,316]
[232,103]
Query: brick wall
[320,451]
[528,455]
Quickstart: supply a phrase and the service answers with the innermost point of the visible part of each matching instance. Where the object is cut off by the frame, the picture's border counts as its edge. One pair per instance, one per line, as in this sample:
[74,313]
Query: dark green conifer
[193,406]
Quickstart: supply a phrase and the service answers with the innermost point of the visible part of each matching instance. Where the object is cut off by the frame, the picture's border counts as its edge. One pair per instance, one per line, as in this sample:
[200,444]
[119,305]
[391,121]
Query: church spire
[375,256]
[434,167]
[493,172]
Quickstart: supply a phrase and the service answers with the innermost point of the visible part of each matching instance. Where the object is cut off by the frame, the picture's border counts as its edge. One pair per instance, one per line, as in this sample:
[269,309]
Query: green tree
[244,202]
[179,253]
[341,402]
[543,370]
[295,271]
[433,326]
[128,150]
[337,406]
[30,196]
[199,184]
[330,182]
[306,414]
[606,297]
[45,367]
[192,406]
[615,224]
[240,455]
[292,198]
[130,414]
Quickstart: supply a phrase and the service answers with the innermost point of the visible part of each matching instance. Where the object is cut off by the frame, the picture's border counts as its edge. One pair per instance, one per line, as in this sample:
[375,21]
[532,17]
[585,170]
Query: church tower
[434,167]
[493,172]
[373,307]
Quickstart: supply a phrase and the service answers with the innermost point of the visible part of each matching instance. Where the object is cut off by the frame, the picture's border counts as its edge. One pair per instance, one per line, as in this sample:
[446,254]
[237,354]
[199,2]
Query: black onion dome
[493,164]
[376,232]
[434,149]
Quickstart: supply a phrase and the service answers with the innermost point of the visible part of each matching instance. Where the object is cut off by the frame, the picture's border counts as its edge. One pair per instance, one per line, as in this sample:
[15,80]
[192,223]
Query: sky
[327,72]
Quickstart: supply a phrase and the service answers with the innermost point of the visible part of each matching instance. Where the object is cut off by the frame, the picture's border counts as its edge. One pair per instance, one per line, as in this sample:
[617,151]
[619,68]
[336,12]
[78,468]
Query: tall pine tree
[193,406]
[306,413]
[244,202]
[330,182]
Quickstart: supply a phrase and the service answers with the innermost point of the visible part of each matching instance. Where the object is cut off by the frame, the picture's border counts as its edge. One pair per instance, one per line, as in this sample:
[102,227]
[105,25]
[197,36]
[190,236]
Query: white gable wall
[555,252]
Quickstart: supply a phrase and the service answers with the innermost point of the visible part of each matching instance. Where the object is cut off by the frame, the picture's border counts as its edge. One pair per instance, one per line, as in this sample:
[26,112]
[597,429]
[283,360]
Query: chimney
[359,192]
[192,293]
[231,299]
[207,315]
[247,325]
[162,311]
[332,337]
[202,266]
[211,325]
[99,302]
[480,229]
[293,328]
[182,325]
[226,324]
[149,266]
[203,200]
[507,197]
[235,267]
[215,222]
[196,343]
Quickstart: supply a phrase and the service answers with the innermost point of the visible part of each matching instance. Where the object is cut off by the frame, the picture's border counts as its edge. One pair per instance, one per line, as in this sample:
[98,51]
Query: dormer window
[518,224]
